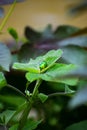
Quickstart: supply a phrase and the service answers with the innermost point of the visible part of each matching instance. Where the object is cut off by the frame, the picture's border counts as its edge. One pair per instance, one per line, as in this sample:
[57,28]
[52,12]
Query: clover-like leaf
[6,115]
[31,124]
[34,68]
[55,74]
[51,71]
[33,65]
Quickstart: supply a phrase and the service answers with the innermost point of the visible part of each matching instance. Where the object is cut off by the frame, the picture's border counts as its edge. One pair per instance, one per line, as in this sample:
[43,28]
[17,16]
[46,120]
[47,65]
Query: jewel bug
[43,65]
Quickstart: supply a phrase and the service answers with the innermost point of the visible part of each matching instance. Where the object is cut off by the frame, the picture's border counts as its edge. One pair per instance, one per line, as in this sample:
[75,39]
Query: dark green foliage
[65,31]
[31,34]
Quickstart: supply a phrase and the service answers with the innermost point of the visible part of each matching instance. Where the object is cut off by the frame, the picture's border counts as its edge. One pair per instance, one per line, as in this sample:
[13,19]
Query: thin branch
[59,93]
[7,16]
[17,90]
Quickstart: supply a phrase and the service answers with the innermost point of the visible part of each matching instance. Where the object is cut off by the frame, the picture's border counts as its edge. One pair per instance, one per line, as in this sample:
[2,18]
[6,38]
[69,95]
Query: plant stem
[7,16]
[17,90]
[29,105]
[35,91]
[25,114]
[60,93]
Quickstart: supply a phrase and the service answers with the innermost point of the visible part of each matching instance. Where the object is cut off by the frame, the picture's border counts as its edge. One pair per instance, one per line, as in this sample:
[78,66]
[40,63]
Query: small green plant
[42,68]
[59,69]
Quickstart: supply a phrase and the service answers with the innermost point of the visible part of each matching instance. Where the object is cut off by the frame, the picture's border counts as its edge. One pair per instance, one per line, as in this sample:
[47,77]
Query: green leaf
[5,57]
[52,56]
[78,126]
[42,97]
[58,71]
[68,90]
[2,80]
[6,115]
[55,74]
[65,31]
[12,100]
[13,33]
[31,124]
[32,76]
[32,34]
[33,66]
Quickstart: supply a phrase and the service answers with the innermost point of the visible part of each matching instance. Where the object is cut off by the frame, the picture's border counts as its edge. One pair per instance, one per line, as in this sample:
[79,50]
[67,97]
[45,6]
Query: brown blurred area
[39,13]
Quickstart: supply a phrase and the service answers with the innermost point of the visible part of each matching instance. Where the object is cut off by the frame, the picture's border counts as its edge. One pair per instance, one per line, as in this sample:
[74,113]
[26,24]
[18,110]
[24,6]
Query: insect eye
[43,65]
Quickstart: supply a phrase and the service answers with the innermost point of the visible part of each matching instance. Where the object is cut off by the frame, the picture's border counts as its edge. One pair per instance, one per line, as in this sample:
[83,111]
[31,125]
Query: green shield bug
[43,65]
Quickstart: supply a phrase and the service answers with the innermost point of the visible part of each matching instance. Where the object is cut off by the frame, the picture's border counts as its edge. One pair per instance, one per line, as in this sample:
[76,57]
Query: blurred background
[39,13]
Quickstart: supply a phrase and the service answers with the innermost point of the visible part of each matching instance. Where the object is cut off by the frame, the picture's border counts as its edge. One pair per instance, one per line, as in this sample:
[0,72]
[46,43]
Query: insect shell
[43,65]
